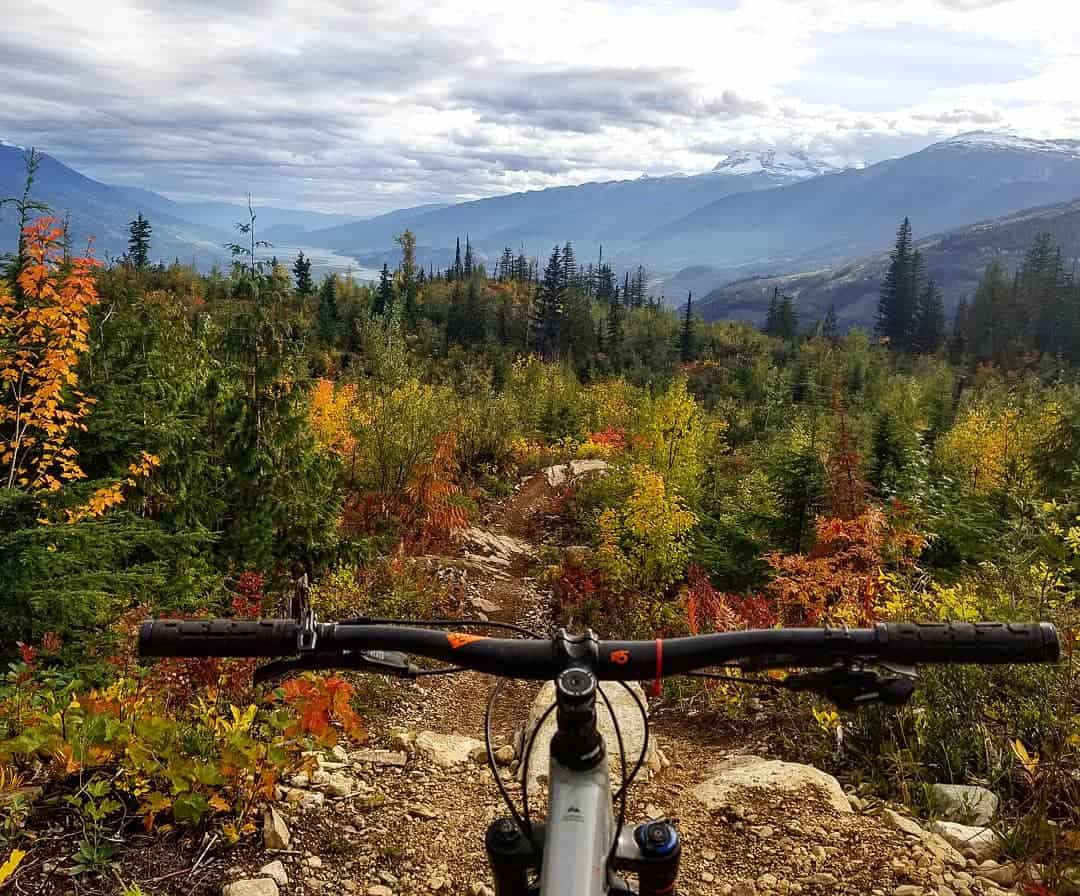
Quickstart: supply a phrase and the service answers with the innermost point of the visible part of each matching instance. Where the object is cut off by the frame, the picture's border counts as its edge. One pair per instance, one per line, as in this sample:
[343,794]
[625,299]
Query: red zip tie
[657,687]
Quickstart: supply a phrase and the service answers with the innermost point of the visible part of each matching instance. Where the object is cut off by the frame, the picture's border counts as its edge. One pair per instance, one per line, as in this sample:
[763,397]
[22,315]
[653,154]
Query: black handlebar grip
[962,642]
[217,637]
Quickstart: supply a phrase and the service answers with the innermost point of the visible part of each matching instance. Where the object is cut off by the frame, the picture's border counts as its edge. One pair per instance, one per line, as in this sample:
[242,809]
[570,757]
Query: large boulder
[630,722]
[562,474]
[735,774]
[446,750]
[964,803]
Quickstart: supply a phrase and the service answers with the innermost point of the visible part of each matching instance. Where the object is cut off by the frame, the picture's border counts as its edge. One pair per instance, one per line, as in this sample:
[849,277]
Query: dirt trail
[426,834]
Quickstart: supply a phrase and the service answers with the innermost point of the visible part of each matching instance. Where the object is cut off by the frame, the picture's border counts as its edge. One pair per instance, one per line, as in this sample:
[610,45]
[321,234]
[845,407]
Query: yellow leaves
[334,413]
[1030,761]
[45,333]
[106,498]
[12,863]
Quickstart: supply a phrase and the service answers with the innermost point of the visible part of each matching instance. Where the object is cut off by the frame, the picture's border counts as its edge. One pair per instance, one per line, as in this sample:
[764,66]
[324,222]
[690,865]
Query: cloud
[338,106]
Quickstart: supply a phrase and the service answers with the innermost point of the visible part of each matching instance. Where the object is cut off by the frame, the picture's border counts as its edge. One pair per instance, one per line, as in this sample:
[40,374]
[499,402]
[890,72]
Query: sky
[363,106]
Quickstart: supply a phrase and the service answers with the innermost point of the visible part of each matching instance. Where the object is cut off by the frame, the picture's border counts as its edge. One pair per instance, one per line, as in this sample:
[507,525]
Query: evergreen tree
[504,271]
[889,458]
[456,272]
[994,322]
[638,288]
[302,273]
[550,310]
[787,320]
[409,284]
[456,324]
[384,295]
[327,319]
[614,325]
[569,263]
[957,341]
[772,316]
[687,340]
[898,299]
[467,270]
[626,290]
[929,325]
[139,242]
[830,331]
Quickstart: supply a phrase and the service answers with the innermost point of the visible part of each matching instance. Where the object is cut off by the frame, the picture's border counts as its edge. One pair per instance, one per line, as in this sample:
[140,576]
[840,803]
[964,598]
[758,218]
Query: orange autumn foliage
[110,496]
[333,413]
[43,332]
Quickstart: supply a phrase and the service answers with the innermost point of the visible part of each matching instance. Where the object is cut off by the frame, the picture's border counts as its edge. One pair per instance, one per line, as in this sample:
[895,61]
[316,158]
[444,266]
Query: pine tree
[830,331]
[929,326]
[457,271]
[384,295]
[687,339]
[409,285]
[899,297]
[467,270]
[505,269]
[569,263]
[139,242]
[550,310]
[638,299]
[772,318]
[614,325]
[787,320]
[327,319]
[302,273]
[957,340]
[455,317]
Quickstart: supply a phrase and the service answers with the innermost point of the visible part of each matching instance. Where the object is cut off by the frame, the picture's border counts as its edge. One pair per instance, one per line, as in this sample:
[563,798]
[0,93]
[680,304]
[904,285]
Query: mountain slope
[185,230]
[968,178]
[956,259]
[615,214]
[101,212]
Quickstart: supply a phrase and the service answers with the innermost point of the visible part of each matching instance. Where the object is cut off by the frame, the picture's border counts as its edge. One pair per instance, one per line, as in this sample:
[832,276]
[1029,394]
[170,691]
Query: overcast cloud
[362,107]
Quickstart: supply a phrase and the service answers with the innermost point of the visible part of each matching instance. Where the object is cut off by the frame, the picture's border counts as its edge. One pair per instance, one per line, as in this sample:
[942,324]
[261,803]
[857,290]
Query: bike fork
[651,851]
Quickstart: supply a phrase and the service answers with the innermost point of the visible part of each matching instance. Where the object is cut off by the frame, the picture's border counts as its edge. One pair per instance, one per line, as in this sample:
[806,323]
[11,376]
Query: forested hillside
[184,444]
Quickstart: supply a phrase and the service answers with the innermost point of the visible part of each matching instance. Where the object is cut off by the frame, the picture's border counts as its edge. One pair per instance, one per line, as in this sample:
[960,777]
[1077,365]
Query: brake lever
[385,662]
[849,688]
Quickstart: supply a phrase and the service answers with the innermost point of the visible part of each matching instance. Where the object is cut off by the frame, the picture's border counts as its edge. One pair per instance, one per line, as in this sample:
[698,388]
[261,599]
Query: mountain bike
[585,847]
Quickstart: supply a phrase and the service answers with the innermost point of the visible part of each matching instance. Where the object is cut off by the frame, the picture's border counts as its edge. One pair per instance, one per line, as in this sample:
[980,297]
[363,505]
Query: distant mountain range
[956,259]
[184,230]
[757,213]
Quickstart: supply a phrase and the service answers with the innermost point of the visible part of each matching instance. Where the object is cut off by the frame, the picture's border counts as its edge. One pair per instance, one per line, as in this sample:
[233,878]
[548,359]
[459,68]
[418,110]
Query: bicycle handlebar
[898,642]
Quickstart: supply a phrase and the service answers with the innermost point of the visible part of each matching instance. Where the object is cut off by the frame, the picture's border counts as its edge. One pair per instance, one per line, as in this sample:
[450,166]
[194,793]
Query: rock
[339,785]
[479,889]
[940,848]
[564,473]
[1002,875]
[744,888]
[902,823]
[737,773]
[504,755]
[276,872]
[493,546]
[708,877]
[420,810]
[339,753]
[379,890]
[313,862]
[908,890]
[275,832]
[446,750]
[395,758]
[822,879]
[964,803]
[478,754]
[626,711]
[402,739]
[256,886]
[484,606]
[312,800]
[974,842]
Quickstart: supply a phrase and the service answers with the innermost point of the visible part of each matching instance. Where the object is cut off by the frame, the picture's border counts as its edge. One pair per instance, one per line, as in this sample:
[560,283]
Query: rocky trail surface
[406,815]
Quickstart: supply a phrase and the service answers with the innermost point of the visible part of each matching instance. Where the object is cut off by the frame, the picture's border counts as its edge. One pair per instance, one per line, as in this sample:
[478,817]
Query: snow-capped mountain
[1012,143]
[795,165]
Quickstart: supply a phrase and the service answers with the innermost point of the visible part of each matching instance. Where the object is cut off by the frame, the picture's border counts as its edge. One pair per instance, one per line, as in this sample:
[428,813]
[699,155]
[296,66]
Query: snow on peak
[770,161]
[1006,141]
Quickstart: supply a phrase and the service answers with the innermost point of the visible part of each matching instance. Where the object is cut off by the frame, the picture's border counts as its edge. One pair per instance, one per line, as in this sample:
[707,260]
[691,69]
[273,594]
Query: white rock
[275,832]
[380,757]
[965,803]
[257,886]
[728,778]
[446,750]
[626,712]
[484,605]
[275,871]
[340,785]
[564,473]
[902,823]
[975,842]
[379,890]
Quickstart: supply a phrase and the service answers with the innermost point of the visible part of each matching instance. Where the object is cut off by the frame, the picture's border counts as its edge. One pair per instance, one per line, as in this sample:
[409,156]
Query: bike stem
[651,850]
